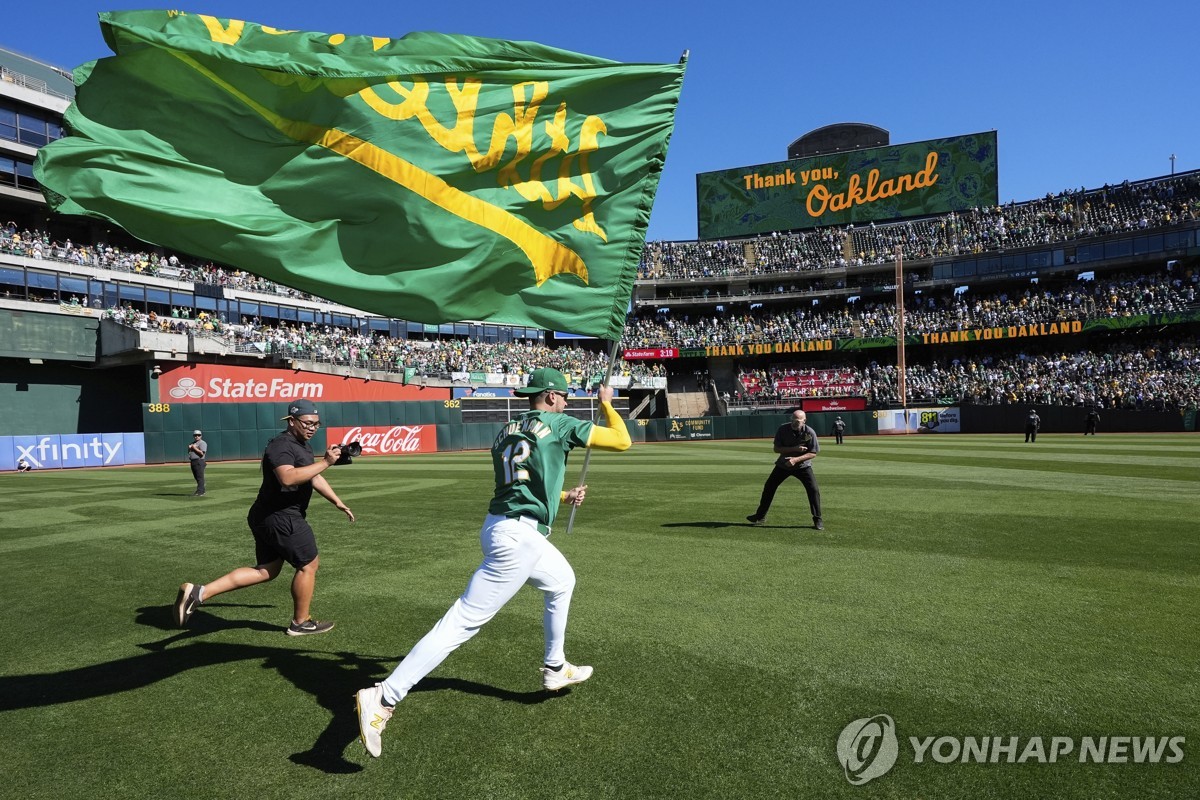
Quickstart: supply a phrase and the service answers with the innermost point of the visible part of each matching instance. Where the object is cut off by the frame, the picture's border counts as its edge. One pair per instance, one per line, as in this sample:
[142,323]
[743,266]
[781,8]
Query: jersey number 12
[513,457]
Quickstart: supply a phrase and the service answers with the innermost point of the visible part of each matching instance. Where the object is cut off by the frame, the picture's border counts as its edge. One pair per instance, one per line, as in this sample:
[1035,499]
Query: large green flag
[433,178]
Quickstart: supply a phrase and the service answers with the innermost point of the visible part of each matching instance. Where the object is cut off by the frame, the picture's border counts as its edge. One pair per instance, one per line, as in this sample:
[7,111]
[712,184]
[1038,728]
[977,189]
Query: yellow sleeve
[615,436]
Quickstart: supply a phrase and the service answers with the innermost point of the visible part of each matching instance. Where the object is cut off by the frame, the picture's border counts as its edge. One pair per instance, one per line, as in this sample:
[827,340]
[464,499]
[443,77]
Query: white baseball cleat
[373,717]
[553,680]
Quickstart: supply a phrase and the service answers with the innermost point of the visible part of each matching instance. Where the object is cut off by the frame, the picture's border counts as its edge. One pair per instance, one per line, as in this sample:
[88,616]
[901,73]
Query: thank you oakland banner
[876,184]
[433,178]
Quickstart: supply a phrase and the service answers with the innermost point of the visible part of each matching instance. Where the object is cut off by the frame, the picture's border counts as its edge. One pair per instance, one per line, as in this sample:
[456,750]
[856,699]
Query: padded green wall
[240,430]
[237,431]
[69,398]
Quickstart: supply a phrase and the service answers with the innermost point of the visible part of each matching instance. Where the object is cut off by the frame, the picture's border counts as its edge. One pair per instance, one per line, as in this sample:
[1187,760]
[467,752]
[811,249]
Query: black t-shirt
[273,497]
[787,436]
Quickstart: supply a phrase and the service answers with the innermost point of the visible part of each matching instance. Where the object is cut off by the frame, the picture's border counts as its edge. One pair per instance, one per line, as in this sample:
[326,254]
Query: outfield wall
[1058,419]
[236,431]
[239,431]
[748,426]
[69,398]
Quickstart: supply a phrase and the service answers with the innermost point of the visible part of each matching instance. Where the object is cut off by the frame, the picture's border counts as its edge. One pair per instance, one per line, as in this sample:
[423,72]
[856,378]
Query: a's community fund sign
[868,748]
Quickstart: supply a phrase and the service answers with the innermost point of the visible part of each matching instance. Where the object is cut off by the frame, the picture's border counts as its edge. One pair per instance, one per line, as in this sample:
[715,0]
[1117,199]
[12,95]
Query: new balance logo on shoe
[555,679]
[373,717]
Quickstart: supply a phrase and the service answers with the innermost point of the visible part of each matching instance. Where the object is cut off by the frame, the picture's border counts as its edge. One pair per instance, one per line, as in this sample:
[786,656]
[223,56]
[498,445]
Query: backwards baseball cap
[197,433]
[542,380]
[298,408]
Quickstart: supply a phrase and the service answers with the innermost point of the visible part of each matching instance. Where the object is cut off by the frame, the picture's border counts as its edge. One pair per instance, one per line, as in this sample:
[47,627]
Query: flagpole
[901,364]
[587,457]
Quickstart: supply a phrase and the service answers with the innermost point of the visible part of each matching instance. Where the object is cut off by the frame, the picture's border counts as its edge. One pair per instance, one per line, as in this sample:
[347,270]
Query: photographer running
[277,519]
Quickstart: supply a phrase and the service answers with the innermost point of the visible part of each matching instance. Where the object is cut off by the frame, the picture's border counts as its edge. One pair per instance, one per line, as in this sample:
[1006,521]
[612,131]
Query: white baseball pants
[514,553]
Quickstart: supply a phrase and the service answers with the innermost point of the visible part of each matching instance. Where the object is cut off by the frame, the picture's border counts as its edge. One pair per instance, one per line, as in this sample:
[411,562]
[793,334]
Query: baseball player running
[530,458]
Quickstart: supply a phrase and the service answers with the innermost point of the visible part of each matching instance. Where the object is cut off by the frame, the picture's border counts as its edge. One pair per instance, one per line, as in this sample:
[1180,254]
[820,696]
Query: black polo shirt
[274,497]
[787,436]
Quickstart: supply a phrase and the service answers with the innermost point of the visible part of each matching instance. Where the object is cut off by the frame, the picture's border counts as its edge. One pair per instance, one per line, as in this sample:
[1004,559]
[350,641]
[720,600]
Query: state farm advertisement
[216,383]
[381,440]
[649,353]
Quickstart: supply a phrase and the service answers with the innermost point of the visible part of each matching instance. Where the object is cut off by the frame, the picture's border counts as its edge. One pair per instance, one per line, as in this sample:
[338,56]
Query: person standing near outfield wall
[797,445]
[198,460]
[1033,424]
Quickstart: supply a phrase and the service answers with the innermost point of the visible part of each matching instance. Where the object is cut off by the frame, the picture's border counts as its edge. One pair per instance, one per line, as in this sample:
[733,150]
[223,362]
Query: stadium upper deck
[824,272]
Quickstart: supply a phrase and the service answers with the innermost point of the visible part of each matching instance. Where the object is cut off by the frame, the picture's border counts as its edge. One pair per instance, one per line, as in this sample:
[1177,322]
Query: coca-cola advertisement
[382,440]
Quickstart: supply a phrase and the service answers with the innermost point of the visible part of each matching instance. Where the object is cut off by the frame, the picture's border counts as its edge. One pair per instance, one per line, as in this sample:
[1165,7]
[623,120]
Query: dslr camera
[350,451]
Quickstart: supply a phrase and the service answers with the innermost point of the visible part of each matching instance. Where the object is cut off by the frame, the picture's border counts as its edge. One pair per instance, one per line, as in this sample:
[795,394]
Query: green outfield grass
[964,585]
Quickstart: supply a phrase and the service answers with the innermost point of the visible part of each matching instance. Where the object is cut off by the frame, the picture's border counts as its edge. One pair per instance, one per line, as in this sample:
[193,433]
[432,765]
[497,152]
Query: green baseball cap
[543,380]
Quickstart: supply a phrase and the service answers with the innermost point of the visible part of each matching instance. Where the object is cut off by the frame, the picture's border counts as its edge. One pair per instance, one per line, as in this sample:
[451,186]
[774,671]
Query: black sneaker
[818,525]
[753,520]
[186,602]
[309,626]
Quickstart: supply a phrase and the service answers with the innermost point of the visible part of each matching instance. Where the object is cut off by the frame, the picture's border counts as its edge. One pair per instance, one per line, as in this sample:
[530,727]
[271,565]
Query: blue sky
[1080,93]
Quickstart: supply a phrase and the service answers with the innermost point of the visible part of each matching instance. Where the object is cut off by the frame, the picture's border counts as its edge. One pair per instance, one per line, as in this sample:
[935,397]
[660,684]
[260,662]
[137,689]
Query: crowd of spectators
[179,321]
[1066,216]
[1110,296]
[38,245]
[1159,376]
[783,382]
[427,358]
[437,358]
[1164,375]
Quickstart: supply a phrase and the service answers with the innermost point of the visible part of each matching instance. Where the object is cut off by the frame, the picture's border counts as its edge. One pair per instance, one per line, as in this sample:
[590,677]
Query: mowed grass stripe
[959,596]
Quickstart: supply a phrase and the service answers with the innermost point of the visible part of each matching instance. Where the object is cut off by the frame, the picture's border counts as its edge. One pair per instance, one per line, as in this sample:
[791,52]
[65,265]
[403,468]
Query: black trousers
[198,473]
[1030,433]
[777,477]
[837,435]
[1090,427]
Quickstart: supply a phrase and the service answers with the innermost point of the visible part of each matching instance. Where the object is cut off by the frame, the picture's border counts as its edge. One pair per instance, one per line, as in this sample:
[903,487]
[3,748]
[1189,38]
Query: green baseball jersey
[530,460]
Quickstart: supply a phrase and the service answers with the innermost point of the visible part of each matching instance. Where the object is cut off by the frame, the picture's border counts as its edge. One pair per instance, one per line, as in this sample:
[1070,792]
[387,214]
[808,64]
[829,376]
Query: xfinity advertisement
[71,450]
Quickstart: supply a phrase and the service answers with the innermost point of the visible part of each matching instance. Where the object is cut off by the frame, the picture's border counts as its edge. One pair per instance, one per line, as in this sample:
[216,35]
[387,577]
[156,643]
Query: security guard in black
[797,445]
[274,497]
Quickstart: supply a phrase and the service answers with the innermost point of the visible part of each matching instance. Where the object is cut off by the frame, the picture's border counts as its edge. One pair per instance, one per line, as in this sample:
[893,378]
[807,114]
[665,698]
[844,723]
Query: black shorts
[286,536]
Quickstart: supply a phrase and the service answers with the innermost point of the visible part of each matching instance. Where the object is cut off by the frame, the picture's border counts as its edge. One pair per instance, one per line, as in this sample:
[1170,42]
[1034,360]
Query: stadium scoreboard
[876,184]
